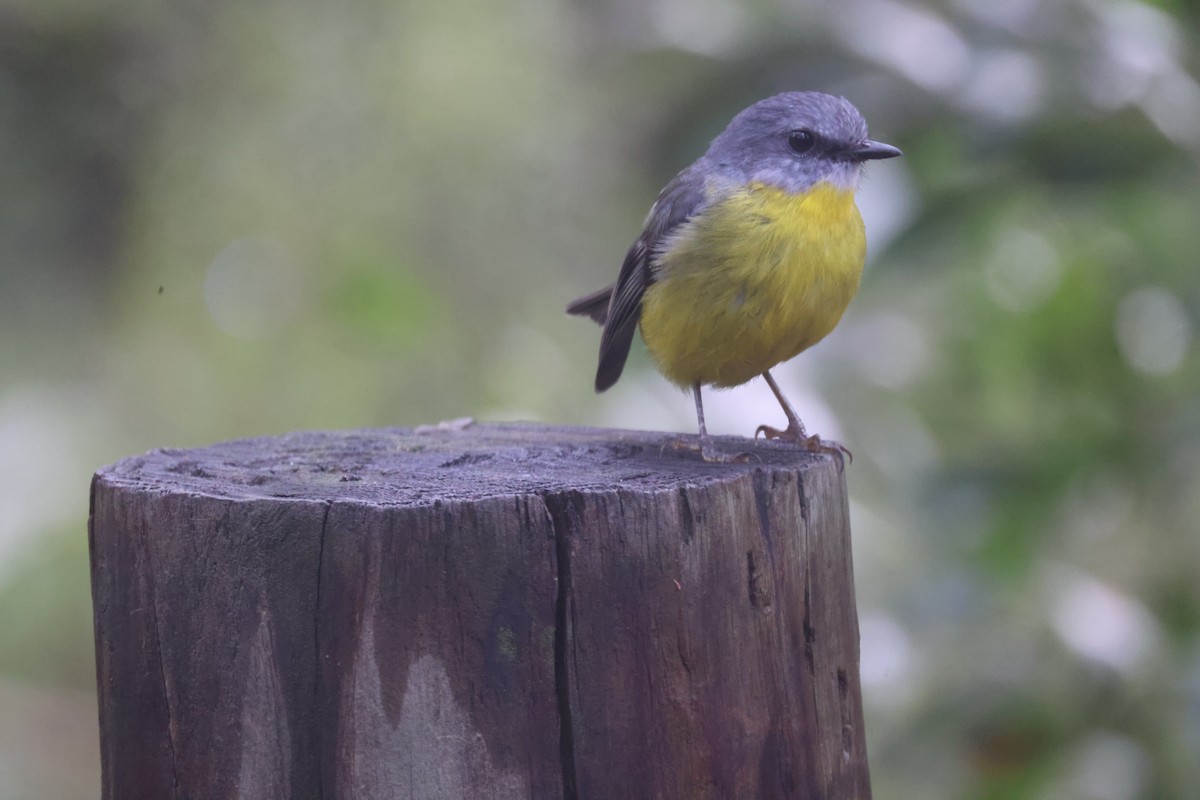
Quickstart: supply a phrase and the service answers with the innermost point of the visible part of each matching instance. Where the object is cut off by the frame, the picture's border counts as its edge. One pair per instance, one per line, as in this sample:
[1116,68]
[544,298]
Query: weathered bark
[499,612]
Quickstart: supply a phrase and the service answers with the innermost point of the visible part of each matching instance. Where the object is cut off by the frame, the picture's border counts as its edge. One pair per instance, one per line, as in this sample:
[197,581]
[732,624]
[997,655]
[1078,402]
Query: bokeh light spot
[1024,270]
[915,42]
[1007,85]
[1100,623]
[253,288]
[887,654]
[1153,330]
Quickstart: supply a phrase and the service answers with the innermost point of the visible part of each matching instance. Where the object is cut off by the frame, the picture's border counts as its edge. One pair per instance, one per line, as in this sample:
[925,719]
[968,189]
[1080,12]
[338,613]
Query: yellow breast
[754,280]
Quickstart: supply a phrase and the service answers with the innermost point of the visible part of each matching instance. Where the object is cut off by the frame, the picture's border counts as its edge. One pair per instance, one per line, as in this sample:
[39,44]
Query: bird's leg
[708,451]
[795,430]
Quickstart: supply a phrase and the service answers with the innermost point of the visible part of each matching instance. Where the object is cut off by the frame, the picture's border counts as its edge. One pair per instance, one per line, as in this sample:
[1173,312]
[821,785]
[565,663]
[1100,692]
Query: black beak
[873,151]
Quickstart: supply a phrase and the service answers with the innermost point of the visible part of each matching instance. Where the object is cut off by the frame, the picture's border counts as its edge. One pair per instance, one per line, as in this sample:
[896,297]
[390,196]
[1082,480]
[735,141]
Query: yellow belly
[751,282]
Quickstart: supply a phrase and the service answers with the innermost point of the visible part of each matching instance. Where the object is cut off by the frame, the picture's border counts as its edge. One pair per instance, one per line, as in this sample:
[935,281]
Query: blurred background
[224,219]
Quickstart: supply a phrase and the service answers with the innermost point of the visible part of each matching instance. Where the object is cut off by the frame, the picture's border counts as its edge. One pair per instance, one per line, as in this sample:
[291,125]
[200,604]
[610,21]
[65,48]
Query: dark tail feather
[614,349]
[594,305]
[614,344]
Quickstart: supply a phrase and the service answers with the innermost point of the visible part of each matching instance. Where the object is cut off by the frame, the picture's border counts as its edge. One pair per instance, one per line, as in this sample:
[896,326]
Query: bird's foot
[814,444]
[706,451]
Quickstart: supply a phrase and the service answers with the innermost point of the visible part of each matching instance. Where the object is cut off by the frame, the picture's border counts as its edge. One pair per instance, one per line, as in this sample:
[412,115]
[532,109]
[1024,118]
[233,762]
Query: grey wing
[683,198]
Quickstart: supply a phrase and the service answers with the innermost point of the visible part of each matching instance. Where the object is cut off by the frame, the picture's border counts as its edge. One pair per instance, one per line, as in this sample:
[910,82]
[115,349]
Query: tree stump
[497,611]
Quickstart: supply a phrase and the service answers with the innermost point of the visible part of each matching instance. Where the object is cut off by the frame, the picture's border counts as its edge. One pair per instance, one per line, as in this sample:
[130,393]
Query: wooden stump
[502,611]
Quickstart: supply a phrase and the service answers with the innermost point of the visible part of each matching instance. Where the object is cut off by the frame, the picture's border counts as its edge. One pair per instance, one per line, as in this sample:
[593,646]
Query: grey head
[794,140]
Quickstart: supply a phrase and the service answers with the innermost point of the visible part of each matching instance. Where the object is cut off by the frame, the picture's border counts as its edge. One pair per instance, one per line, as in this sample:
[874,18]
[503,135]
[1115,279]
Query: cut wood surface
[496,611]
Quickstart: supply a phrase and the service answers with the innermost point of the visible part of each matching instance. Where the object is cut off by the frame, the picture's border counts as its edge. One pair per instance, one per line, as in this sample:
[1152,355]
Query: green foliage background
[225,219]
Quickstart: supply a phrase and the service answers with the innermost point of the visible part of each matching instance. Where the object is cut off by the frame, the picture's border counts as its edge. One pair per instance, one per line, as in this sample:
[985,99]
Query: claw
[814,444]
[767,432]
[706,451]
[713,457]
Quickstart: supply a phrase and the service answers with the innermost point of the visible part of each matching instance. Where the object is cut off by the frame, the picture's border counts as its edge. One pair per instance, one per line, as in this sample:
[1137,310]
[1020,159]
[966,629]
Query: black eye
[801,141]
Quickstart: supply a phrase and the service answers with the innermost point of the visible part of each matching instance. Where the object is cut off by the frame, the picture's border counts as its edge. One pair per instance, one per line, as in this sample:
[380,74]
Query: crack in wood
[760,595]
[844,707]
[320,783]
[803,498]
[560,524]
[687,520]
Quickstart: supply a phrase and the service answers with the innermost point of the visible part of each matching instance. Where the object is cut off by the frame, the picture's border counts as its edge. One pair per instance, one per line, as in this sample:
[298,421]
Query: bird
[747,257]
